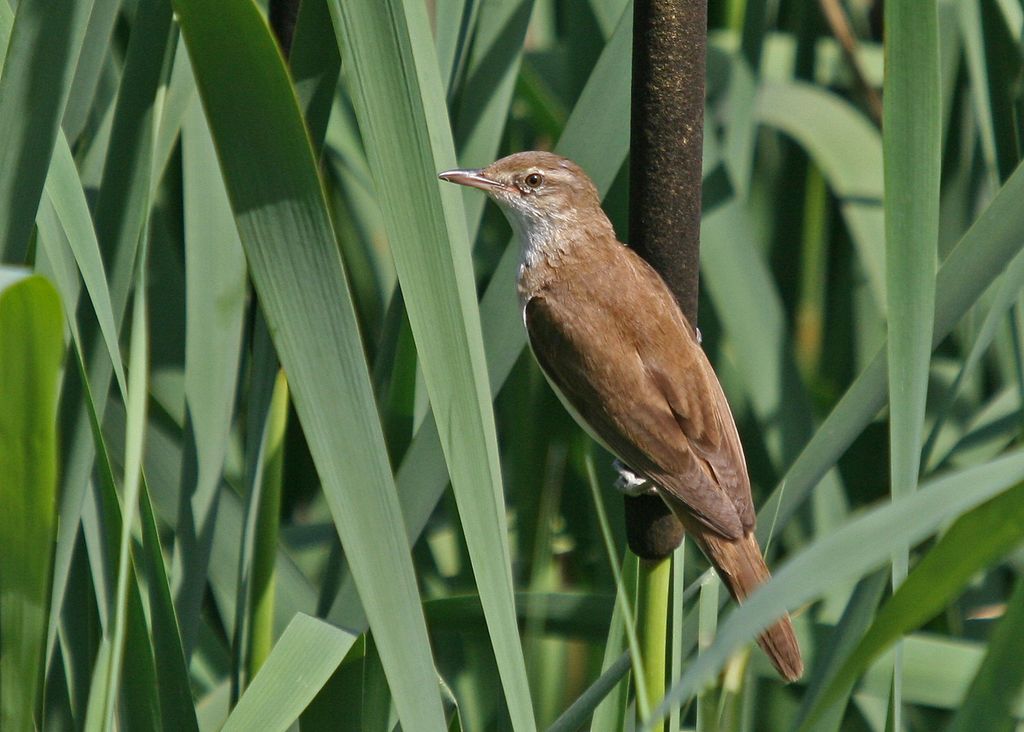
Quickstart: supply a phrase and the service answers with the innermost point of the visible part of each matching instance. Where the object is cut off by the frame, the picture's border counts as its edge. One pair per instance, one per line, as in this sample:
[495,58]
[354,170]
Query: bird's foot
[629,482]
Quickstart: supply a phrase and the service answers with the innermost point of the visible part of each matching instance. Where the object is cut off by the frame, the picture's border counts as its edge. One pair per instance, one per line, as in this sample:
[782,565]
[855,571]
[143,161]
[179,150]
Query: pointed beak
[472,178]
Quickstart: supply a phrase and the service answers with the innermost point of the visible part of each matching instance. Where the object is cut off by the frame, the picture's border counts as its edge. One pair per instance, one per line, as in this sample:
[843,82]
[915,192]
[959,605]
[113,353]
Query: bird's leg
[629,482]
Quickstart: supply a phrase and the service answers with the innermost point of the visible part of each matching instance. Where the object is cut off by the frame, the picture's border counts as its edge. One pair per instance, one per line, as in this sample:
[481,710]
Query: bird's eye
[533,180]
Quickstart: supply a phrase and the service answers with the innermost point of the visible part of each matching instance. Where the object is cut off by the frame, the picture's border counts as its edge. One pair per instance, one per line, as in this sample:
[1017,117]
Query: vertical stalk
[652,619]
[268,510]
[666,155]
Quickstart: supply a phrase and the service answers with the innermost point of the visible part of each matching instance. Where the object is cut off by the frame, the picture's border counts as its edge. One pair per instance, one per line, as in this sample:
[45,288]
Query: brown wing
[644,387]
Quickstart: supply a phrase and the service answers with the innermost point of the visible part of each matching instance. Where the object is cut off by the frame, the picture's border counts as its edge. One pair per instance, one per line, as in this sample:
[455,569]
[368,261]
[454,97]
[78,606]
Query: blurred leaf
[216,295]
[123,613]
[975,541]
[398,95]
[861,545]
[271,177]
[31,351]
[912,156]
[302,661]
[989,703]
[848,150]
[38,68]
[983,252]
[858,616]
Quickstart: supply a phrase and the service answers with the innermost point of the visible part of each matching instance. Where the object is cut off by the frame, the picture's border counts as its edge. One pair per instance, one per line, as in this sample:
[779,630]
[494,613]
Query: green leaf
[398,95]
[121,212]
[859,546]
[848,150]
[31,351]
[137,399]
[271,177]
[989,703]
[39,65]
[216,294]
[912,152]
[975,541]
[976,261]
[302,661]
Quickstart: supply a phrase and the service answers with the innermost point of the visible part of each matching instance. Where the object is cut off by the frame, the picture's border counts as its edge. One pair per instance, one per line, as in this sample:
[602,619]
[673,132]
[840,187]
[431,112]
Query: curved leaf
[282,220]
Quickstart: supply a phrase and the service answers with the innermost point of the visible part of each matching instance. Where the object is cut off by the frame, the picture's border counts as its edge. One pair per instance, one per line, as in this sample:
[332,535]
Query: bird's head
[544,196]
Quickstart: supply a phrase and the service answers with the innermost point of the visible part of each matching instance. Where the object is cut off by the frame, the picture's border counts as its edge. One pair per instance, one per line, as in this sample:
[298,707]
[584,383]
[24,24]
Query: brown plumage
[612,340]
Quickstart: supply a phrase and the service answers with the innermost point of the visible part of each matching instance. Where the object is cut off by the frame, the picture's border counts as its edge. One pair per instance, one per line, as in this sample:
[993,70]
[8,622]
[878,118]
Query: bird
[613,342]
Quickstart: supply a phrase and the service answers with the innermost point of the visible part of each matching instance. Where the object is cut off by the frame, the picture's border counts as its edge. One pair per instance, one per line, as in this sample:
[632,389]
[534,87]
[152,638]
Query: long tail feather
[741,566]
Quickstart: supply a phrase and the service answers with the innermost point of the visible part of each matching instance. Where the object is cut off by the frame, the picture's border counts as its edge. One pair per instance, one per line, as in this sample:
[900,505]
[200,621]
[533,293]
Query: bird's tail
[741,566]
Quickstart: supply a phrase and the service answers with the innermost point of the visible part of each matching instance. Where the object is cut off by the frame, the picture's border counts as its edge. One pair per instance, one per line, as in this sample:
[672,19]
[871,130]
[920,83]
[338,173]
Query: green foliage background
[285,339]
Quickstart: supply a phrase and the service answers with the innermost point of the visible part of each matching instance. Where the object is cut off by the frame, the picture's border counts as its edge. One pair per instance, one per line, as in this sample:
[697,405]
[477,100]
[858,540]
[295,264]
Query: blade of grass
[138,364]
[38,69]
[177,709]
[31,351]
[89,69]
[912,155]
[271,177]
[983,252]
[707,713]
[302,661]
[576,716]
[977,539]
[678,613]
[848,150]
[1005,297]
[989,703]
[314,62]
[122,209]
[859,613]
[215,301]
[482,106]
[265,512]
[398,94]
[622,593]
[609,708]
[860,545]
[263,375]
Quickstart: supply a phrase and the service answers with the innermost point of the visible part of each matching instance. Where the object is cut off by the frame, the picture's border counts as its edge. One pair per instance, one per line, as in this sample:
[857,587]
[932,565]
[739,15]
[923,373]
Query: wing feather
[666,422]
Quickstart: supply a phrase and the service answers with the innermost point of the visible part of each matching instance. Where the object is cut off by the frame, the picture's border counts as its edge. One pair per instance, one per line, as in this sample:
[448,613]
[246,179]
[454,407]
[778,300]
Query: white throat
[538,235]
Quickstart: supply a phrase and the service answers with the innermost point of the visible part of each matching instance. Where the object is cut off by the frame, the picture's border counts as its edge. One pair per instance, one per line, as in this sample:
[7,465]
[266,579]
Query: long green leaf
[121,212]
[215,298]
[38,69]
[989,702]
[984,251]
[848,149]
[975,541]
[912,154]
[398,95]
[850,552]
[302,661]
[270,173]
[138,388]
[31,351]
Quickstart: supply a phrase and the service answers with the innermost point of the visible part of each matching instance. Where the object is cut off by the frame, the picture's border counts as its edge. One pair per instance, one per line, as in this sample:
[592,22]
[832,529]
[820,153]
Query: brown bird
[614,344]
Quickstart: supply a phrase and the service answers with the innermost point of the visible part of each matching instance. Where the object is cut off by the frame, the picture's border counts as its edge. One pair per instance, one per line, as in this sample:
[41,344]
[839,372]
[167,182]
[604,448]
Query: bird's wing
[660,425]
[702,412]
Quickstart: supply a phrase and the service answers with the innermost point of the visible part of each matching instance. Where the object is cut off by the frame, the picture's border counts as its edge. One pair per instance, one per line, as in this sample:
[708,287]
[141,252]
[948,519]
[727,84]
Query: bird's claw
[629,482]
[697,335]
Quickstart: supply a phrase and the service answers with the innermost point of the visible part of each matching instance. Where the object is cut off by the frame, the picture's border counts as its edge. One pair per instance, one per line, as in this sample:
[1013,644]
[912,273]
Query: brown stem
[666,146]
[836,18]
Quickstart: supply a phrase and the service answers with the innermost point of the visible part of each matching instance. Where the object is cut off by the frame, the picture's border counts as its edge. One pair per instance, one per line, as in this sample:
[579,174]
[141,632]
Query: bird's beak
[472,178]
